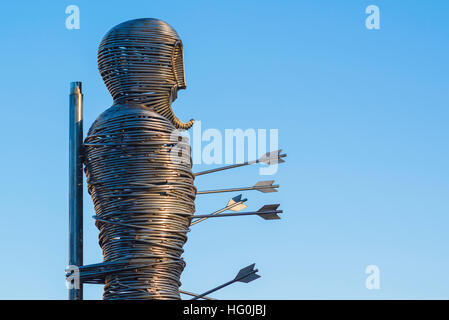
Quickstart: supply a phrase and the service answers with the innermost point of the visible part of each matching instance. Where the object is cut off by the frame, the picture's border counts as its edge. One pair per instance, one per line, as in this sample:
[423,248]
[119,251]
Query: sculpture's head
[141,61]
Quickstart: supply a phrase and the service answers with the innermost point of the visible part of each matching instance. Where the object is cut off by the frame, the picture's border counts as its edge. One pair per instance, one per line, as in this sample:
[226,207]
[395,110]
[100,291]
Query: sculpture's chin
[183,125]
[171,115]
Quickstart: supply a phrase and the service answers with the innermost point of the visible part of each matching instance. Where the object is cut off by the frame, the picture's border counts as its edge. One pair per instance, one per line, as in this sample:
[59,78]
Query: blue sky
[361,113]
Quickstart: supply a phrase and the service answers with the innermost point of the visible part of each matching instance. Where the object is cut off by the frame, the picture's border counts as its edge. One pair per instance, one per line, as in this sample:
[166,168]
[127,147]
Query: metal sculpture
[141,61]
[143,197]
[139,173]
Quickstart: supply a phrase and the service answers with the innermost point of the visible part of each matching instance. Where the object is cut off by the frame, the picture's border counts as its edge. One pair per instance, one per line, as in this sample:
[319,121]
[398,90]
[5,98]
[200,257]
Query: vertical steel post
[76,183]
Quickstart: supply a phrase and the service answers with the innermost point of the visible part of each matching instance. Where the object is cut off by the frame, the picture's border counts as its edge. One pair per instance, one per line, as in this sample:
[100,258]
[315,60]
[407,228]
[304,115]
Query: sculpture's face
[141,61]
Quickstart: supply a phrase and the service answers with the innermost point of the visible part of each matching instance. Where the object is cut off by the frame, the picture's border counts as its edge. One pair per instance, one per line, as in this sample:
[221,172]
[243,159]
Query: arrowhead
[247,274]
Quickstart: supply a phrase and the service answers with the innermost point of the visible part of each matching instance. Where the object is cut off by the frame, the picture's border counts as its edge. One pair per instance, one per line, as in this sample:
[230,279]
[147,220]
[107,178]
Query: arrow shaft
[224,168]
[204,217]
[195,295]
[237,214]
[199,217]
[225,190]
[214,289]
[225,284]
[233,166]
[238,189]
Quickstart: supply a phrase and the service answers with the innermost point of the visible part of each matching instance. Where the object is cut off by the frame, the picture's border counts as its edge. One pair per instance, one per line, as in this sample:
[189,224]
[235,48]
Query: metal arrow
[268,212]
[269,158]
[262,186]
[245,275]
[235,204]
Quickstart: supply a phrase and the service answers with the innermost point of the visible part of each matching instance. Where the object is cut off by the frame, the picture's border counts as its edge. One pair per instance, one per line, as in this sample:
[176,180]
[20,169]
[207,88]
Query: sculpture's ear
[178,65]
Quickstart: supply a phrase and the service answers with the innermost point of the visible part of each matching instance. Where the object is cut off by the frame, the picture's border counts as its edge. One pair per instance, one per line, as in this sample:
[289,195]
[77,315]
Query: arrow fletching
[269,208]
[247,274]
[266,186]
[237,207]
[272,157]
[234,204]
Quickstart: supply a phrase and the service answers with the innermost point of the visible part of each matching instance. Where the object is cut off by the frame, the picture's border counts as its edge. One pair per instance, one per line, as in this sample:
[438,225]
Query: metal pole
[76,184]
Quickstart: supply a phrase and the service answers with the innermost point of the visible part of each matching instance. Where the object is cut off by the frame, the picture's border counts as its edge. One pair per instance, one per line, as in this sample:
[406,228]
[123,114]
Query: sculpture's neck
[149,99]
[159,102]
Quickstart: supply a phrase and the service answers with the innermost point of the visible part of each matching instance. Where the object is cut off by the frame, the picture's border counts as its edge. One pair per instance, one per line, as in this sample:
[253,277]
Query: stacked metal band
[143,194]
[141,61]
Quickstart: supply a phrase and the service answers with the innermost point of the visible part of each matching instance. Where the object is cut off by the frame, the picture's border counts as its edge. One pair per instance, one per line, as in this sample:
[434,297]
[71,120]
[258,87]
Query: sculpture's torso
[143,201]
[143,195]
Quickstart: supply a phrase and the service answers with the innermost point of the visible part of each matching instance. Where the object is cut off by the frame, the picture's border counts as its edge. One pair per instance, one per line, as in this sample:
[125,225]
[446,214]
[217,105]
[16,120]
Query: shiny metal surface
[76,182]
[142,198]
[141,61]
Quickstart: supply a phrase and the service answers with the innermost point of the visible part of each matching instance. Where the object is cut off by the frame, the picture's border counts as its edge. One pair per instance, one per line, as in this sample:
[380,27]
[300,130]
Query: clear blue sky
[361,113]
